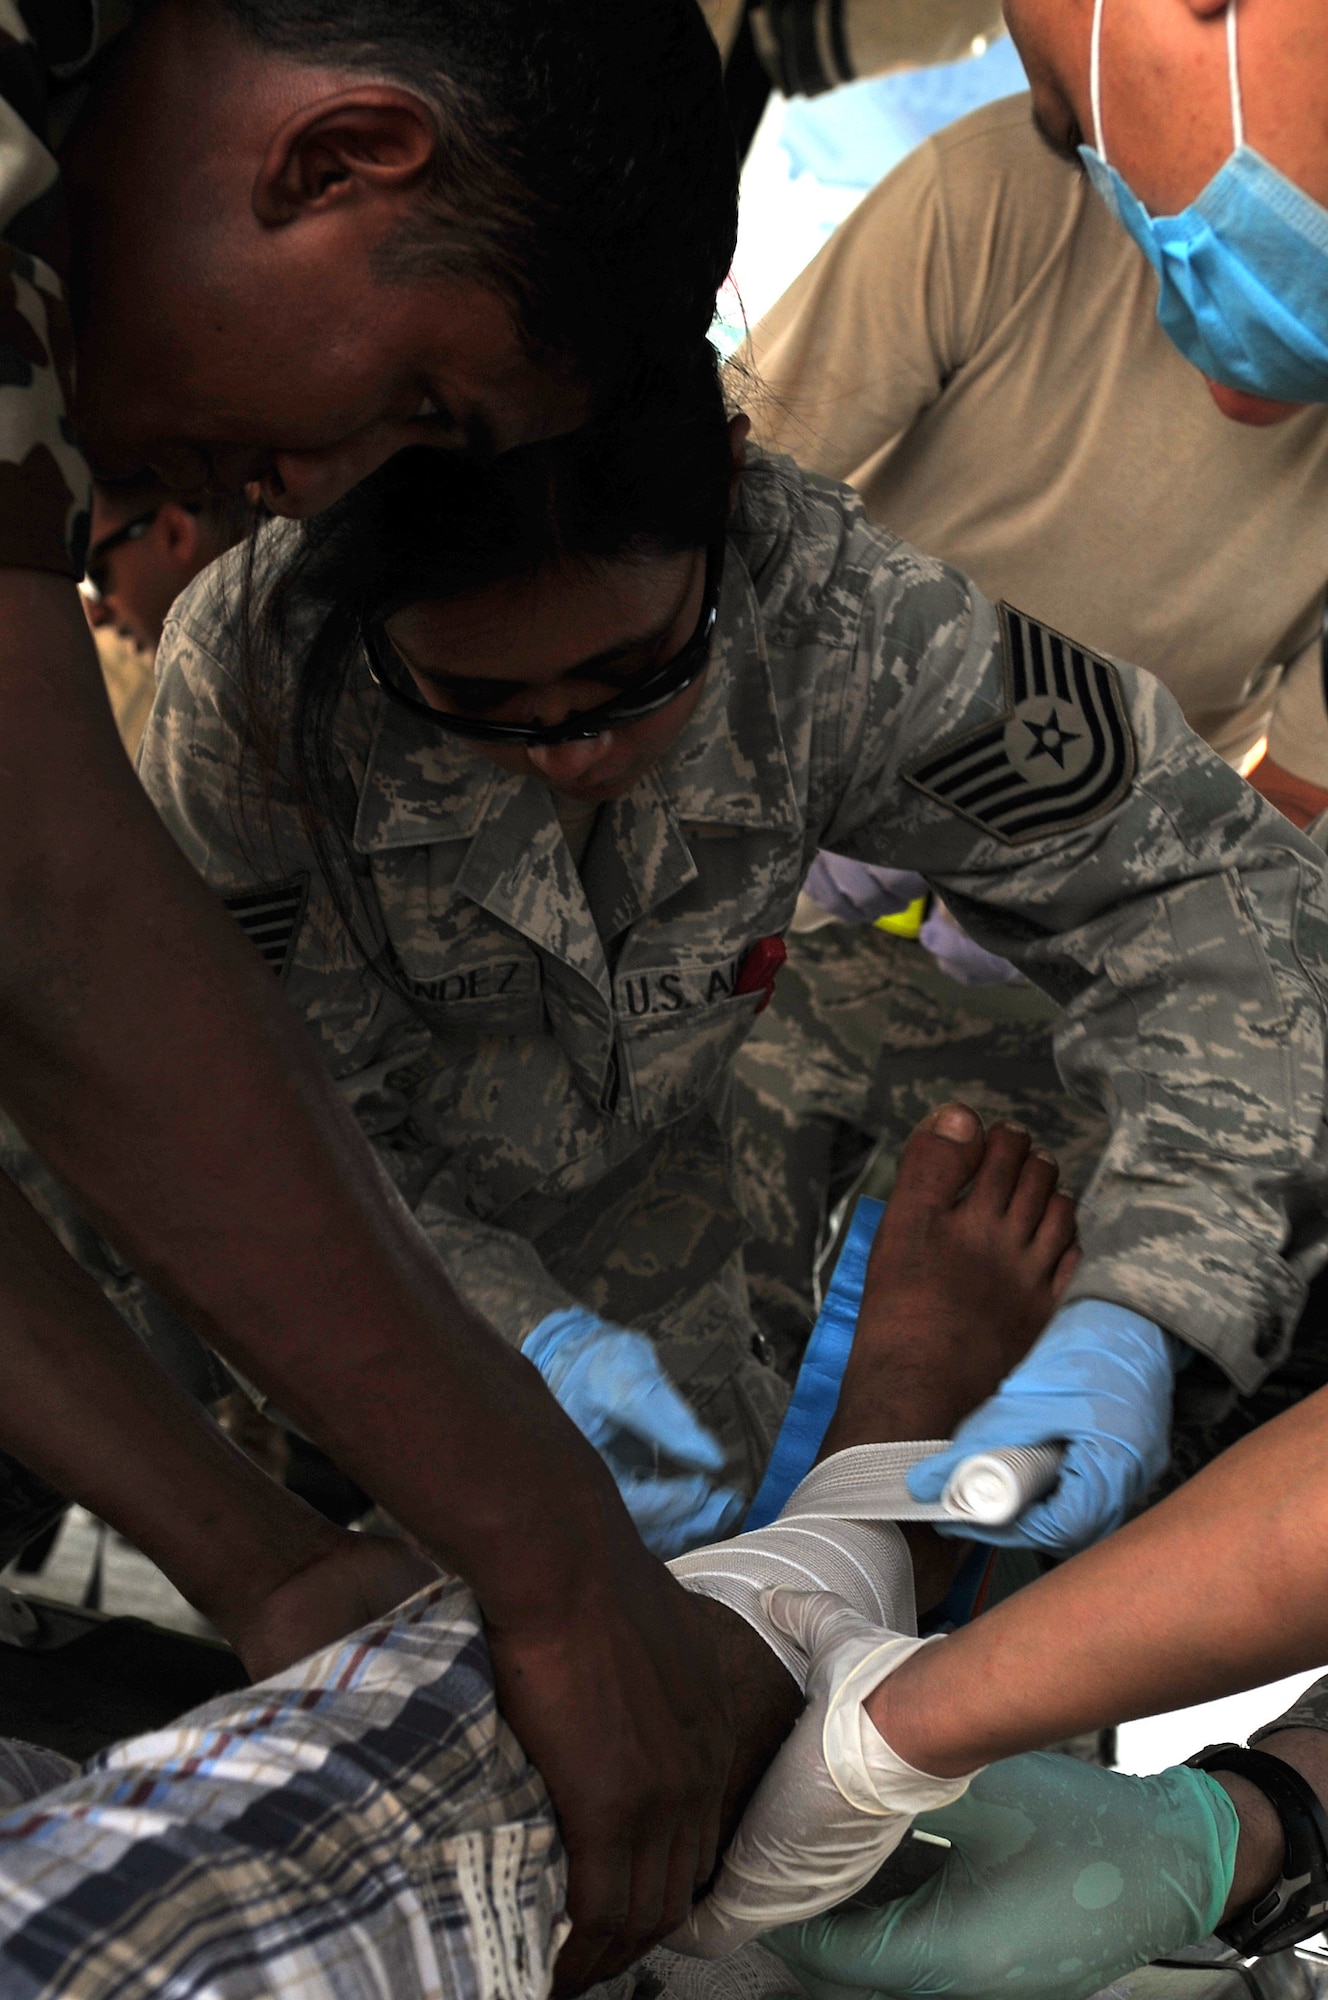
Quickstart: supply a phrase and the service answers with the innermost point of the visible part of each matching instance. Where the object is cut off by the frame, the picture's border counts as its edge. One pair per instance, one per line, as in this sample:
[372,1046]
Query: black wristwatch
[1297,1904]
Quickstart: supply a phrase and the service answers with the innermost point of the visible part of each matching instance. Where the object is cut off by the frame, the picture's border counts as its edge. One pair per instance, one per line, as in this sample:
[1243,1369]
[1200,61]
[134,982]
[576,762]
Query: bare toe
[1065,1270]
[1057,1238]
[940,1159]
[998,1176]
[1035,1187]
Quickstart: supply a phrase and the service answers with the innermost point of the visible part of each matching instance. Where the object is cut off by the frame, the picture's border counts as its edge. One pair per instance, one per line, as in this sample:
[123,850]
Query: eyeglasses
[96,570]
[654,690]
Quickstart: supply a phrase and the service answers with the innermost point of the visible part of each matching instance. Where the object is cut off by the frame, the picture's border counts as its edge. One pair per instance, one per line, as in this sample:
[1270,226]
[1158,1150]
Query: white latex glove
[836,1801]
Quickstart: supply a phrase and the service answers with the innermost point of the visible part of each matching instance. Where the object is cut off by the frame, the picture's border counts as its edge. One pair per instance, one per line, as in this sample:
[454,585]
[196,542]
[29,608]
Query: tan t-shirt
[976,350]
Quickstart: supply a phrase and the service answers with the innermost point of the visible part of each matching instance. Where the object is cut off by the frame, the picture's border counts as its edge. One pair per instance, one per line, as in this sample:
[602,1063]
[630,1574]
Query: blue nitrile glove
[1099,1381]
[1061,1877]
[611,1385]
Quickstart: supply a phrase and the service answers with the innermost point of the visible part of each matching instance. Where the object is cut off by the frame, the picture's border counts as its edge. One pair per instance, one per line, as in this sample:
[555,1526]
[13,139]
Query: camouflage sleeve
[1308,1711]
[44,483]
[497,1272]
[251,848]
[1076,826]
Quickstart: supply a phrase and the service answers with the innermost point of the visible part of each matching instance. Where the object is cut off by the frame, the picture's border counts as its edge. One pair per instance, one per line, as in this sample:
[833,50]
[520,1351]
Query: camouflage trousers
[864,1037]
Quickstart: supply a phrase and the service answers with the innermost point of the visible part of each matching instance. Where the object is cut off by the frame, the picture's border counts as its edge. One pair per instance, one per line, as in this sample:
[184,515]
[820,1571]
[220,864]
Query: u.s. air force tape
[1060,756]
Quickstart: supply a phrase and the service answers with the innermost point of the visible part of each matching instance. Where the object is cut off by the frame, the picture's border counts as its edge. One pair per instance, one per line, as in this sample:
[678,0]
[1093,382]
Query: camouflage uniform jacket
[48,48]
[1308,1711]
[563,1039]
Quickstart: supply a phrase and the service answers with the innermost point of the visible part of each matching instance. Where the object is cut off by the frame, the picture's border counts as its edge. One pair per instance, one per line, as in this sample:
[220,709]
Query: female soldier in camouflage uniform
[547,750]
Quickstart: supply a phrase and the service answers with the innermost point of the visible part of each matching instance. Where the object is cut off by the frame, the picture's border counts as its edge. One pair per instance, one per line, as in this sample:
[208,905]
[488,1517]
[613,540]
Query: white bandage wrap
[835,1532]
[829,1587]
[865,1563]
[836,1801]
[869,1482]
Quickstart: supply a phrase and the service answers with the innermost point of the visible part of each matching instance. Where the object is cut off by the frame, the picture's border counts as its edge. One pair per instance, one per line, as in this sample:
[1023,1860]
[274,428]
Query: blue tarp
[852,136]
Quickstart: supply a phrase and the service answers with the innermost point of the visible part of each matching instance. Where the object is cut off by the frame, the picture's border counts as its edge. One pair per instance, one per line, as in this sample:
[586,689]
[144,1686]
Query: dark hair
[585,167]
[437,524]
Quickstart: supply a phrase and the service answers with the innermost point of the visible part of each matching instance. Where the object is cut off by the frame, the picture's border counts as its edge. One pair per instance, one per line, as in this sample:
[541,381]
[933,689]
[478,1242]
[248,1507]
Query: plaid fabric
[362,1827]
[27,1770]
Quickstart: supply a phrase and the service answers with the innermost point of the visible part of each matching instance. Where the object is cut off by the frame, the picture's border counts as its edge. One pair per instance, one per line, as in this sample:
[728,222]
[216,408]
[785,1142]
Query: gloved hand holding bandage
[1099,1381]
[611,1385]
[835,1802]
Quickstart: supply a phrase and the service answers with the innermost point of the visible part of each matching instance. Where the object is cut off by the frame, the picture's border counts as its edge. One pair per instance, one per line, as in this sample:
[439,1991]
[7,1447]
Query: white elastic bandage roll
[865,1563]
[836,1532]
[869,1483]
[994,1487]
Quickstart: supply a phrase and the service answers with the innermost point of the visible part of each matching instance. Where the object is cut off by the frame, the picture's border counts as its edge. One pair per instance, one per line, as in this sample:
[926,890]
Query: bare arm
[1221,1587]
[145,1050]
[148,1054]
[84,1405]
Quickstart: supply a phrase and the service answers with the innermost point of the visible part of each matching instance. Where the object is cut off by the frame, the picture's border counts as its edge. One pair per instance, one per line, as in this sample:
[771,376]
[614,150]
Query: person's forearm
[147,1052]
[83,1405]
[1221,1587]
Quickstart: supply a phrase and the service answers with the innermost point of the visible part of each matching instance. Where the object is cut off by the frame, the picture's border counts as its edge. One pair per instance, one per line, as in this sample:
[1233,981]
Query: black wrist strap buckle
[1297,1904]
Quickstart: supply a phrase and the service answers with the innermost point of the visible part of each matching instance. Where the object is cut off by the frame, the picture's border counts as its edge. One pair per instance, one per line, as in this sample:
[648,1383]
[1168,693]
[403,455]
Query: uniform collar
[728,769]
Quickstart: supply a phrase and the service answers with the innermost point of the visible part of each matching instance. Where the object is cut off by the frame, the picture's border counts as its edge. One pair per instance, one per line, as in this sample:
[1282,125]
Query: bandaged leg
[828,1589]
[828,1584]
[864,1562]
[836,1800]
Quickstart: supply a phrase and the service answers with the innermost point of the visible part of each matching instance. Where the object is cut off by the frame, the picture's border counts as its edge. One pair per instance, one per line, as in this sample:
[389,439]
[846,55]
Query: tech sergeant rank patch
[1060,756]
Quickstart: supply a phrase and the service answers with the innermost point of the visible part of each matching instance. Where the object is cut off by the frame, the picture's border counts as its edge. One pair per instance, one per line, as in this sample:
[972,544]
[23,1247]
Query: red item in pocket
[759,969]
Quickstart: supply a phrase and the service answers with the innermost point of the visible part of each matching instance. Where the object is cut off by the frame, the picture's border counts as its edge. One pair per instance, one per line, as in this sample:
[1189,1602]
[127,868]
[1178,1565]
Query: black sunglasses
[96,573]
[654,690]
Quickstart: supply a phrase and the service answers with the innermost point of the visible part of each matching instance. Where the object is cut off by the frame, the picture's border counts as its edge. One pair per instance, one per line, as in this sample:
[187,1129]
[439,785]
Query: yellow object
[905,923]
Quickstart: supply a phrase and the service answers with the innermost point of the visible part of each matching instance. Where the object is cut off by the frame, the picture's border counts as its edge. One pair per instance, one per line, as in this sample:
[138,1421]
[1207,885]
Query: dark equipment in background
[802,48]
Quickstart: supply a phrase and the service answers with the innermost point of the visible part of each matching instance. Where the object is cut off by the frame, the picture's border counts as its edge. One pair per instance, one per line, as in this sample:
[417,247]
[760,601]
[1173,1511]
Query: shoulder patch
[1060,756]
[270,919]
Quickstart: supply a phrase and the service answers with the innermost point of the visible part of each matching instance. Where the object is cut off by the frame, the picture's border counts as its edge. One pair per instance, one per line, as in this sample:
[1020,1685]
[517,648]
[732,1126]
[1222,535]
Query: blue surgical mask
[1243,270]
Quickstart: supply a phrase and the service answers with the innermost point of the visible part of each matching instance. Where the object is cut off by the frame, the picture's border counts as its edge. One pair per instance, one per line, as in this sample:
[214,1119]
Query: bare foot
[971,1256]
[973,1252]
[357,1579]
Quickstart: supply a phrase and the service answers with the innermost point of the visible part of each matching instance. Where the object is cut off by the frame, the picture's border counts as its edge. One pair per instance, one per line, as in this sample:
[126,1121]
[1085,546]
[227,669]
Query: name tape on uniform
[493,979]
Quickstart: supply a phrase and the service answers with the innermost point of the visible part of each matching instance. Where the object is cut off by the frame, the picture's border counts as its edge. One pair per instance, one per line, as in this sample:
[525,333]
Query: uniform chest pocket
[677,1029]
[489,996]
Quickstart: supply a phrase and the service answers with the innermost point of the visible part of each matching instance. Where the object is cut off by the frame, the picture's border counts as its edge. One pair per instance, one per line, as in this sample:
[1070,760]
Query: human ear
[178,529]
[372,140]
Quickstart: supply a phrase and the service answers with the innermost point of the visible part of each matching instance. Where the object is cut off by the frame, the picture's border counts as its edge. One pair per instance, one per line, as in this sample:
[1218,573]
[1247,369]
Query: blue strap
[816,1391]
